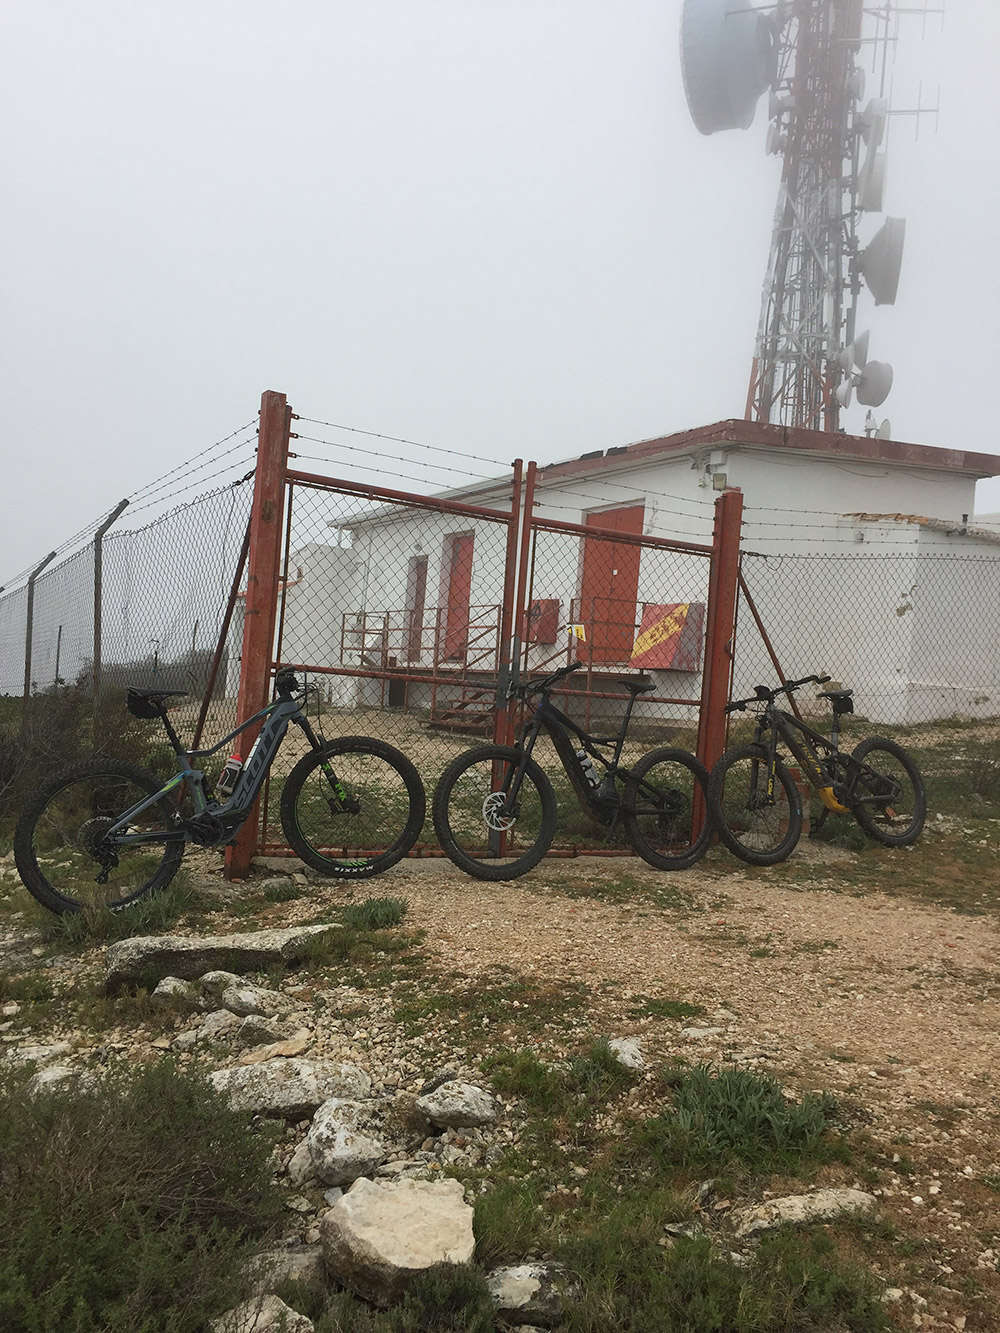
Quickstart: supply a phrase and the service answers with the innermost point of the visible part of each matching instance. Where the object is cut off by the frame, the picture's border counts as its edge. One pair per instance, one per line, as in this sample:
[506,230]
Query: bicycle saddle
[835,694]
[153,692]
[641,686]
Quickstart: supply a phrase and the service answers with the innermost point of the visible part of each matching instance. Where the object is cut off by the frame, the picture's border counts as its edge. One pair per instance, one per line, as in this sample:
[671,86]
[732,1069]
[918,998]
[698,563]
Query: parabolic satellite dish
[728,59]
[882,259]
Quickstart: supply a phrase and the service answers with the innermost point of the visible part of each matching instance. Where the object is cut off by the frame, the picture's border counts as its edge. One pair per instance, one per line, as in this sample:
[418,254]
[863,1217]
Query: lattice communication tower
[811,56]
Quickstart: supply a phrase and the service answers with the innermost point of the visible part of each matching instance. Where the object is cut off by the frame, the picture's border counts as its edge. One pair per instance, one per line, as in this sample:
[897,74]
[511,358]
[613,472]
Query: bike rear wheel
[353,808]
[757,827]
[890,798]
[61,843]
[475,830]
[666,792]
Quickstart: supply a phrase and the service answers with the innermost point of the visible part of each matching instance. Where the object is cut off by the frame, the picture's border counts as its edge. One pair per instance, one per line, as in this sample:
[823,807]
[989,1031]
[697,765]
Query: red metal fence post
[721,626]
[266,531]
[502,724]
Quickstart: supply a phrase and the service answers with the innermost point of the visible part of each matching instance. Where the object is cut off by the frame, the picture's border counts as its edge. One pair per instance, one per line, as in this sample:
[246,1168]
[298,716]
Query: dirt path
[873,979]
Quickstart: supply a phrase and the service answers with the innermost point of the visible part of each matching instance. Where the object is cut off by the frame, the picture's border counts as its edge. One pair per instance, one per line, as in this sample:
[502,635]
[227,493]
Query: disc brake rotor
[492,813]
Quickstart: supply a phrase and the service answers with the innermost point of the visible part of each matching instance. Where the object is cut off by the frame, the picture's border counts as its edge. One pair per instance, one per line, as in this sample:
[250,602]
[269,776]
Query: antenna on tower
[809,365]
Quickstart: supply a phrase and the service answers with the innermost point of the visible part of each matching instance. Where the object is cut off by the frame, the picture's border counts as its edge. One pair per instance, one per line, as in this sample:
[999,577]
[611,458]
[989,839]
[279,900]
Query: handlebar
[546,682]
[763,695]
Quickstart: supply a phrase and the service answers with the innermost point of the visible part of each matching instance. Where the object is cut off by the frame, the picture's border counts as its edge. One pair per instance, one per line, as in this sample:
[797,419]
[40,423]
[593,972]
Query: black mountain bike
[755,804]
[110,833]
[495,810]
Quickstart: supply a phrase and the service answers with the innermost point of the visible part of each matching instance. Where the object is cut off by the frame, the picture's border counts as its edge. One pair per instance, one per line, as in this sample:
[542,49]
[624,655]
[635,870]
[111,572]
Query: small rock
[332,1195]
[130,961]
[627,1052]
[290,1088]
[53,1076]
[42,1055]
[181,996]
[458,1104]
[11,1009]
[538,1292]
[303,1263]
[381,1234]
[293,1045]
[445,1075]
[245,999]
[298,1203]
[820,1206]
[217,1024]
[262,1314]
[254,1031]
[300,1167]
[340,1150]
[699,1034]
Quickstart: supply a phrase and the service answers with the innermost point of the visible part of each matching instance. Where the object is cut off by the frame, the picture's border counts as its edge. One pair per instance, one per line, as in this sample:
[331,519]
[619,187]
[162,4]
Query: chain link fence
[904,611]
[394,610]
[162,593]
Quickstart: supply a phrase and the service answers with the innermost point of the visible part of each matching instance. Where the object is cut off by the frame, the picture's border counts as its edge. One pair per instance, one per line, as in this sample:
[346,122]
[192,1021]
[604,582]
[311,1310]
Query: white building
[857,551]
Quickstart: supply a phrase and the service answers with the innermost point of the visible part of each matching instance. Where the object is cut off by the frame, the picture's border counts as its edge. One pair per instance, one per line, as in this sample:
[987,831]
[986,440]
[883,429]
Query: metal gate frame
[275,485]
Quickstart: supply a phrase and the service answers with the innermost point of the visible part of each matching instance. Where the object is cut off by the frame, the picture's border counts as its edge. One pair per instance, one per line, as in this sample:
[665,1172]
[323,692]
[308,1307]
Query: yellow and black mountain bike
[755,804]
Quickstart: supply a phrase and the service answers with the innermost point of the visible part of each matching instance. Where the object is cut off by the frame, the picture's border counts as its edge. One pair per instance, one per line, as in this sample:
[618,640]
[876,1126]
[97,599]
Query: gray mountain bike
[110,833]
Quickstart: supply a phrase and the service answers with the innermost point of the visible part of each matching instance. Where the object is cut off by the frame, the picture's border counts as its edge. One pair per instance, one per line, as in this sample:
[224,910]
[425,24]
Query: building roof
[760,435]
[933,524]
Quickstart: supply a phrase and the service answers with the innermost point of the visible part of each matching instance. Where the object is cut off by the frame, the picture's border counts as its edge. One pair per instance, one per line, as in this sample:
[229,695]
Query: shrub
[127,1203]
[62,728]
[734,1116]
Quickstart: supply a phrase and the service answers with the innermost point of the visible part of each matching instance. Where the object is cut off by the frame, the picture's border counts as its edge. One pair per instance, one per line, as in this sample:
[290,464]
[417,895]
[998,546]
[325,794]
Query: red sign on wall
[670,636]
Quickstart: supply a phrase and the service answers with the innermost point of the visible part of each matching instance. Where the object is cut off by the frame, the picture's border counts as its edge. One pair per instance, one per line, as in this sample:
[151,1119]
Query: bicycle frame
[548,717]
[784,725]
[238,805]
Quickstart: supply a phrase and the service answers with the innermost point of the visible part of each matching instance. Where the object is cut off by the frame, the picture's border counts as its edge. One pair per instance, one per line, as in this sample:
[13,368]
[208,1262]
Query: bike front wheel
[353,808]
[890,801]
[666,809]
[69,858]
[478,827]
[758,826]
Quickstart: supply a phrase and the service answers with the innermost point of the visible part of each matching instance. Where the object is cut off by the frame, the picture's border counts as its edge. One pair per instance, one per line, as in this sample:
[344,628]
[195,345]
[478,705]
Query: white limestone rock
[456,1105]
[180,996]
[628,1053]
[262,1314]
[794,1209]
[130,962]
[380,1235]
[533,1292]
[301,1263]
[292,1088]
[338,1145]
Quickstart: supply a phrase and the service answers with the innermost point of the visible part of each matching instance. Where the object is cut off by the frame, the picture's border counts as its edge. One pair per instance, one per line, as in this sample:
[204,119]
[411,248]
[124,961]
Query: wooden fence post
[264,564]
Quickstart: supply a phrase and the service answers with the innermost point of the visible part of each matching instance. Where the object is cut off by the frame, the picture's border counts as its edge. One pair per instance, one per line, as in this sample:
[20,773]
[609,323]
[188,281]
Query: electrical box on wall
[543,620]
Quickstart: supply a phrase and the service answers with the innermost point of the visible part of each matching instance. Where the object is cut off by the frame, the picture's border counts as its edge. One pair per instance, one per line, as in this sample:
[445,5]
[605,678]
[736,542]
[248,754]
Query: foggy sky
[490,225]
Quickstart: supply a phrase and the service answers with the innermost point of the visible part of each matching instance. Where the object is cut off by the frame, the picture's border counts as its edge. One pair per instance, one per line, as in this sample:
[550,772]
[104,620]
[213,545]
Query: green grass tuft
[375,914]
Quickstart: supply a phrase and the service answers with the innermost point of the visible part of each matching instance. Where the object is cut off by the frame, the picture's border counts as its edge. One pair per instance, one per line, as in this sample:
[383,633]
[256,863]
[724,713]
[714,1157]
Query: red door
[609,587]
[416,592]
[456,623]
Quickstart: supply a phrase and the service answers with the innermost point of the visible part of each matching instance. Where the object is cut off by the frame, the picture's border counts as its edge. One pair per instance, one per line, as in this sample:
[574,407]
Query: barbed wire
[396,439]
[143,492]
[440,467]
